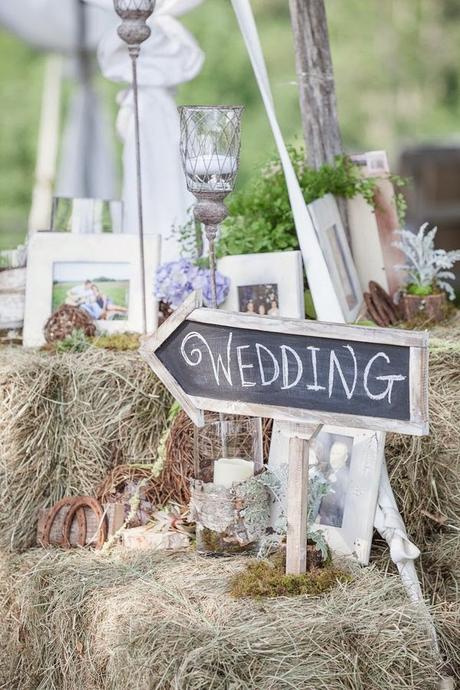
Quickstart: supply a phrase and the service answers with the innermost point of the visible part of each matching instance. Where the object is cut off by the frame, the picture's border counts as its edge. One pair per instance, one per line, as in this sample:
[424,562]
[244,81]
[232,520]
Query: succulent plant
[427,268]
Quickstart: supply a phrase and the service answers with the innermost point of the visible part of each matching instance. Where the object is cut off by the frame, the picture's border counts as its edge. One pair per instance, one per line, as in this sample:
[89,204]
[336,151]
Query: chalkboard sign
[293,370]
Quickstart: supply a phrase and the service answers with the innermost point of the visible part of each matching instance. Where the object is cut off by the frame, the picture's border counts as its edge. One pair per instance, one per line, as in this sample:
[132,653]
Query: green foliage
[419,290]
[75,342]
[267,579]
[260,217]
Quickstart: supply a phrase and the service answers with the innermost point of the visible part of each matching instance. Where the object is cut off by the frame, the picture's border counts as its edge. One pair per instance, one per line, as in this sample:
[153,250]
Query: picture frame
[337,254]
[372,229]
[270,283]
[98,272]
[345,514]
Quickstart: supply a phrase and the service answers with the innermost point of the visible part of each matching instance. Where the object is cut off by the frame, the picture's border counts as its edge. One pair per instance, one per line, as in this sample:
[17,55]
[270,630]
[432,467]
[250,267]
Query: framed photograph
[337,254]
[98,273]
[269,284]
[345,468]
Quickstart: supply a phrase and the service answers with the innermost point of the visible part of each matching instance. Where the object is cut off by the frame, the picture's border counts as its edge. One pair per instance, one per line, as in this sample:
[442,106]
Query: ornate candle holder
[210,150]
[133,31]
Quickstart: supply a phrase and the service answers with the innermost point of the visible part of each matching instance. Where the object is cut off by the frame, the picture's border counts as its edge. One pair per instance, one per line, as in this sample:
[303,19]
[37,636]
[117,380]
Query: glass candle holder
[227,458]
[210,147]
[84,216]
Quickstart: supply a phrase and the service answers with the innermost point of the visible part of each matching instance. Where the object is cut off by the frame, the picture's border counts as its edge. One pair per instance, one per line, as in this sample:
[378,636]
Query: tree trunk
[315,78]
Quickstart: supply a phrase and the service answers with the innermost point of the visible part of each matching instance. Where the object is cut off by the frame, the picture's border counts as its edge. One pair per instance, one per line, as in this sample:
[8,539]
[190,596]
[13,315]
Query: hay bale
[87,621]
[65,421]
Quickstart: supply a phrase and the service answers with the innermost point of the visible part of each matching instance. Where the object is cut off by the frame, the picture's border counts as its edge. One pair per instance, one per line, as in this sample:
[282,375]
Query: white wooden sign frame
[191,310]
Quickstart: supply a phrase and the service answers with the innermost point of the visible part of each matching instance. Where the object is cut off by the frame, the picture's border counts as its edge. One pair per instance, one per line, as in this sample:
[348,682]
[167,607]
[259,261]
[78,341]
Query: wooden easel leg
[300,437]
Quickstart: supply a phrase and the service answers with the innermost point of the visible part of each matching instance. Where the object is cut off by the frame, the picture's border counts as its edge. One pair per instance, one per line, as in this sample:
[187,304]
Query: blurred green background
[397,77]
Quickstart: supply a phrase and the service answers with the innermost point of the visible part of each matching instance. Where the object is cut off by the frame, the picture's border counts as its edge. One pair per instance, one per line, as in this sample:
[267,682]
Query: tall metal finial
[133,31]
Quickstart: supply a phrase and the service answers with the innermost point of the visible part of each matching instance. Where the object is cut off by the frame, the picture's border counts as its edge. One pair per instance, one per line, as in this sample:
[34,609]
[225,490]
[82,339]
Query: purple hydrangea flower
[174,280]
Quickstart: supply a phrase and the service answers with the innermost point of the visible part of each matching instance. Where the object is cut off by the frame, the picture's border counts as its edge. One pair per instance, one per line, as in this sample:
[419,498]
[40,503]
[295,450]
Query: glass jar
[229,505]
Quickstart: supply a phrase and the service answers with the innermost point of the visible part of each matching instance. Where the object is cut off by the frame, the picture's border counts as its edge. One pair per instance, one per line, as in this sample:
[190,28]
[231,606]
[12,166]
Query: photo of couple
[101,290]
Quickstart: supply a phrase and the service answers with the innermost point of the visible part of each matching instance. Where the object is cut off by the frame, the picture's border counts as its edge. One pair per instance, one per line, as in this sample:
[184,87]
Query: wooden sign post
[304,373]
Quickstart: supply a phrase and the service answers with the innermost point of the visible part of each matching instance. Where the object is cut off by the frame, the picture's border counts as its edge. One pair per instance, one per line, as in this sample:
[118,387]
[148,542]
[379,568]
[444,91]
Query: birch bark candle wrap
[229,520]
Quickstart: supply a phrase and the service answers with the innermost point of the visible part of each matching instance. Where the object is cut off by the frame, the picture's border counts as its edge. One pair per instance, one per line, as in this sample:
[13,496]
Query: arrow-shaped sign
[292,370]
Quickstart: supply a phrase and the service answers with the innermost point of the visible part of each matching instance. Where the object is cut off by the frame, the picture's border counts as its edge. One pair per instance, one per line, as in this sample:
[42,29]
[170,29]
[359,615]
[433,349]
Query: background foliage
[396,67]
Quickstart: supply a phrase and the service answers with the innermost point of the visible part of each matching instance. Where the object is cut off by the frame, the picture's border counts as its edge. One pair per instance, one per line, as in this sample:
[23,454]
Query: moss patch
[266,579]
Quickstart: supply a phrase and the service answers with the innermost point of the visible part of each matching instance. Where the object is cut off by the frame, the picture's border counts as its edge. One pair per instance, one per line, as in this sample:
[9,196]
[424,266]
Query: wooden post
[315,78]
[300,437]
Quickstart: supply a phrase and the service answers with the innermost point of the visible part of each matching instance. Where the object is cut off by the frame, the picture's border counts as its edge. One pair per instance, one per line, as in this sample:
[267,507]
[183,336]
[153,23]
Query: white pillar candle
[228,471]
[211,164]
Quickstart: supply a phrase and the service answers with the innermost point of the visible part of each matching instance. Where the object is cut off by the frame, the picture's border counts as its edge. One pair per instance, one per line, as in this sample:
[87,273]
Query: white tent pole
[47,146]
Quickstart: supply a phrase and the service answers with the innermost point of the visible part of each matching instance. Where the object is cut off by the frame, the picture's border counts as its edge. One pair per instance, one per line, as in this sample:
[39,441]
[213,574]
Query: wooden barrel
[12,297]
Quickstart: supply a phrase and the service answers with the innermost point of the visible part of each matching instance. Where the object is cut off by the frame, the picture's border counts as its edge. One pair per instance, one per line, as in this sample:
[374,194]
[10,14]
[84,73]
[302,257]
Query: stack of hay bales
[425,473]
[82,621]
[87,621]
[65,421]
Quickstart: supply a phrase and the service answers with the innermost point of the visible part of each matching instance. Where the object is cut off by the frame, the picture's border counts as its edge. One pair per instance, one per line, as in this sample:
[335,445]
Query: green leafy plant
[75,342]
[260,217]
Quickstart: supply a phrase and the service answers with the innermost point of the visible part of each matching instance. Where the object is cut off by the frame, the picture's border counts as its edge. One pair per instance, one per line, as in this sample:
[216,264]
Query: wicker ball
[65,320]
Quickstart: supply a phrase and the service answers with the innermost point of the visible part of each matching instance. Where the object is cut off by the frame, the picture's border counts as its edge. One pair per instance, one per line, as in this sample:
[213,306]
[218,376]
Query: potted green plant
[428,272]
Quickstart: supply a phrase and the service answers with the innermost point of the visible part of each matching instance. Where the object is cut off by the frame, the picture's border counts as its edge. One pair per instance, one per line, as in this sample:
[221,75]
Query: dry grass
[86,621]
[66,420]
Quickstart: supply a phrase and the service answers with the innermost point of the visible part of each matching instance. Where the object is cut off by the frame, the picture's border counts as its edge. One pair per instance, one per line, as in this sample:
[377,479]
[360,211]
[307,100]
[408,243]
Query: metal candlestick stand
[210,149]
[134,31]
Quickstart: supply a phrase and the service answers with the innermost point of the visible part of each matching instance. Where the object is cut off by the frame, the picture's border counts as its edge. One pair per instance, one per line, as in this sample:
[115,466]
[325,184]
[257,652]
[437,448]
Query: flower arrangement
[428,269]
[175,280]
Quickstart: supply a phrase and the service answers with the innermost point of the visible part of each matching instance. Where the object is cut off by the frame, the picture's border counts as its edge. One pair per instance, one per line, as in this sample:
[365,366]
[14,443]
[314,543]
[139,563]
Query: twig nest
[65,320]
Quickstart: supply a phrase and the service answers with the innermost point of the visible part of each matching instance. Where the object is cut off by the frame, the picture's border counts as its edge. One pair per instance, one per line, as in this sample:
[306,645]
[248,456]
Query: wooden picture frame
[337,254]
[345,514]
[257,275]
[112,254]
[372,229]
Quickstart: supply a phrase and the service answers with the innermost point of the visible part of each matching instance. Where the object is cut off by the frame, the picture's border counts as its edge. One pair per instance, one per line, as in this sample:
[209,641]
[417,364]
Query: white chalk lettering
[195,356]
[242,366]
[390,378]
[335,364]
[315,386]
[285,367]
[276,366]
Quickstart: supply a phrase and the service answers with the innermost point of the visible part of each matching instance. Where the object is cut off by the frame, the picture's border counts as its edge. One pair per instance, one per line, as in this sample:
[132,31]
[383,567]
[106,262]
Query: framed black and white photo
[337,254]
[344,477]
[100,274]
[269,284]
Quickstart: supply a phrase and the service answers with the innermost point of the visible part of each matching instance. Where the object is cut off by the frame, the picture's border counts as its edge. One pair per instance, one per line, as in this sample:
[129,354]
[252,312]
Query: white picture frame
[346,518]
[337,254]
[49,252]
[260,276]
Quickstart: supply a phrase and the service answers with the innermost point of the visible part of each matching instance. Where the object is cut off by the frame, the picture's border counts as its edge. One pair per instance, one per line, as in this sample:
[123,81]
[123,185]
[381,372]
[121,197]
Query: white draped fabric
[87,166]
[170,57]
[51,24]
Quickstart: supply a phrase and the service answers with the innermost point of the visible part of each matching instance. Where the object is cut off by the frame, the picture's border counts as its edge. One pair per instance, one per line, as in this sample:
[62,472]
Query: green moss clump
[265,579]
[117,341]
